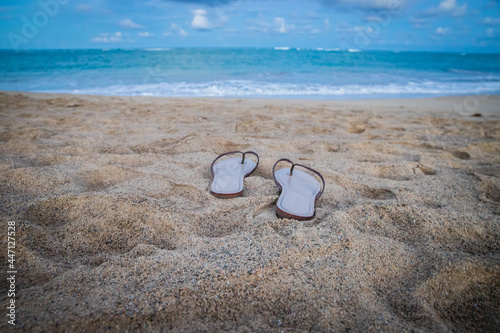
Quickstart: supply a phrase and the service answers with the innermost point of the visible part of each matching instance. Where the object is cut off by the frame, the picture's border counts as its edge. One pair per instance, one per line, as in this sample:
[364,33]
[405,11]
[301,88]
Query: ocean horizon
[279,72]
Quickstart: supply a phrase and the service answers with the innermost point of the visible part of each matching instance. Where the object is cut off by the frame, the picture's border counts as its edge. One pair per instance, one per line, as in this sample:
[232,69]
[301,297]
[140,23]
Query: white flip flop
[299,191]
[229,174]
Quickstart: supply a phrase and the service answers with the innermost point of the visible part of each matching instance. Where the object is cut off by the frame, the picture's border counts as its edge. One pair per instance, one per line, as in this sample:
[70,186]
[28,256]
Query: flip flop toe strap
[291,173]
[242,160]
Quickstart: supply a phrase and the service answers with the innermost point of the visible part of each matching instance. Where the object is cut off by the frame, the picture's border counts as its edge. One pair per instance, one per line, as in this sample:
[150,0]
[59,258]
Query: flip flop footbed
[298,193]
[229,175]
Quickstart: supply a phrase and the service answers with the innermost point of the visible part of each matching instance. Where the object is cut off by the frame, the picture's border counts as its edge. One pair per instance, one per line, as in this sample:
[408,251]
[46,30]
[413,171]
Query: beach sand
[117,230]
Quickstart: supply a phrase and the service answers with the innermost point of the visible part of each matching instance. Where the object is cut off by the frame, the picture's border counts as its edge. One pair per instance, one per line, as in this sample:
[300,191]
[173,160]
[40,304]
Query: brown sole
[286,215]
[226,196]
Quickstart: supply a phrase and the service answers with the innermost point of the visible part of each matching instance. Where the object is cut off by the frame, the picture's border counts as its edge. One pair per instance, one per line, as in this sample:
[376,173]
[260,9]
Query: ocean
[250,72]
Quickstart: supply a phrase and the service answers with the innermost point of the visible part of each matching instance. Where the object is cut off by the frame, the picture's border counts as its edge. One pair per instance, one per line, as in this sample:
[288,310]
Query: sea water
[250,72]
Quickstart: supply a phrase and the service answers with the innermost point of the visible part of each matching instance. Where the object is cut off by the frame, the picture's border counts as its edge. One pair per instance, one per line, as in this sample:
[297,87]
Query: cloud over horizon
[200,20]
[444,25]
[128,23]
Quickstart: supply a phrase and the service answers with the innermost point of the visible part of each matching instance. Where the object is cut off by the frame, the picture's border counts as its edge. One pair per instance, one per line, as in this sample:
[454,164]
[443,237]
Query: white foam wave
[242,88]
[155,49]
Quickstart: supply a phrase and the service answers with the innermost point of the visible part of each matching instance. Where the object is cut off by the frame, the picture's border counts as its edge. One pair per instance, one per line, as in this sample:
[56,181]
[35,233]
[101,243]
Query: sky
[396,25]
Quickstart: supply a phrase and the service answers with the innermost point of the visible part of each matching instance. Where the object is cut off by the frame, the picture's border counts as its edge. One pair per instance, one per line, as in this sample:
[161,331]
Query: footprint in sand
[355,129]
[376,193]
[401,172]
[223,221]
[458,289]
[394,172]
[66,102]
[163,146]
[490,187]
[283,227]
[257,127]
[191,143]
[181,197]
[361,189]
[105,177]
[426,170]
[399,223]
[90,228]
[460,155]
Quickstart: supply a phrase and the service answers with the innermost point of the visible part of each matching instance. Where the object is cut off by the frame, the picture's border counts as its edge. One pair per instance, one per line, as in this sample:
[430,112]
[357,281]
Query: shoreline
[110,198]
[467,104]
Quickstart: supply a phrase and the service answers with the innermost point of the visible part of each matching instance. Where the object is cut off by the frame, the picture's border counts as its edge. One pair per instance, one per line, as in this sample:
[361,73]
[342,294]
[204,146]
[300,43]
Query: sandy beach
[117,230]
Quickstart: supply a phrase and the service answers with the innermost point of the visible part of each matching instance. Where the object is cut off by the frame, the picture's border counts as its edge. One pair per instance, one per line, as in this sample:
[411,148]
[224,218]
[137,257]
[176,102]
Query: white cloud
[144,34]
[260,25]
[419,22]
[442,31]
[107,38]
[491,21]
[345,27]
[447,7]
[328,26]
[490,32]
[182,32]
[174,28]
[368,4]
[200,20]
[373,18]
[309,29]
[280,25]
[129,24]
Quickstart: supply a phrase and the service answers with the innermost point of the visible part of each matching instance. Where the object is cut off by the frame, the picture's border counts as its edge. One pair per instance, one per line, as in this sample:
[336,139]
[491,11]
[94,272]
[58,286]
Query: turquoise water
[250,72]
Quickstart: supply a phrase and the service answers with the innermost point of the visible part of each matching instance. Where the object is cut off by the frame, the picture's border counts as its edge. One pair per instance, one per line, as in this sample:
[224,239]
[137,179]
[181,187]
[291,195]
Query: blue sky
[417,25]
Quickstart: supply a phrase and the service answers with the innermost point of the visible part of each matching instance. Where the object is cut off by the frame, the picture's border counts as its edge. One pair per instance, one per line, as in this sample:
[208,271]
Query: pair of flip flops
[299,190]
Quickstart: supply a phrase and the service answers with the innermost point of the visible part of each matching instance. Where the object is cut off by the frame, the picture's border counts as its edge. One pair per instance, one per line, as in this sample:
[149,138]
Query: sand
[117,229]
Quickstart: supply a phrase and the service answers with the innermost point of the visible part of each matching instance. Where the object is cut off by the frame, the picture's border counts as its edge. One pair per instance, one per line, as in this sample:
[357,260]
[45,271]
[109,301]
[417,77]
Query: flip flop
[299,191]
[228,174]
